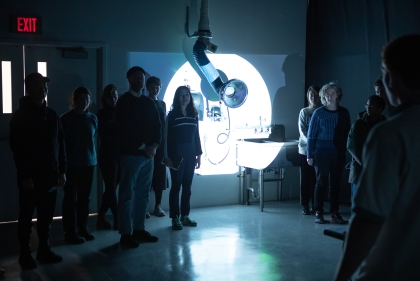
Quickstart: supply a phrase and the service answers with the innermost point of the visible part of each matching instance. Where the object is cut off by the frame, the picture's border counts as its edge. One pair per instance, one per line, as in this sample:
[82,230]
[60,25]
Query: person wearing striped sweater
[182,155]
[326,149]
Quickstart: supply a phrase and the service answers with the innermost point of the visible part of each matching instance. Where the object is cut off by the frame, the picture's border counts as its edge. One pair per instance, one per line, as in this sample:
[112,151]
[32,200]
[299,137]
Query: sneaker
[306,211]
[159,212]
[74,238]
[144,236]
[313,211]
[319,218]
[336,218]
[48,256]
[128,241]
[176,224]
[147,215]
[185,220]
[26,261]
[85,233]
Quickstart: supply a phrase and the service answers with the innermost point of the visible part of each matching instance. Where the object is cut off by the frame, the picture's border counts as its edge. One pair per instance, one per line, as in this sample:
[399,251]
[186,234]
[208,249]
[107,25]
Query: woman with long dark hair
[307,172]
[108,155]
[80,129]
[182,155]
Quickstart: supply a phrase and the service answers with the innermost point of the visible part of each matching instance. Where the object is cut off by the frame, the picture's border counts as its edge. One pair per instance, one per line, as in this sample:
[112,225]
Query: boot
[26,260]
[45,255]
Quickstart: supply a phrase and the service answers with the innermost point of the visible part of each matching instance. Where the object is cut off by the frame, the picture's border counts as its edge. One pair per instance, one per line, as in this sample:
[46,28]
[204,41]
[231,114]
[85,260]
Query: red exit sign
[26,24]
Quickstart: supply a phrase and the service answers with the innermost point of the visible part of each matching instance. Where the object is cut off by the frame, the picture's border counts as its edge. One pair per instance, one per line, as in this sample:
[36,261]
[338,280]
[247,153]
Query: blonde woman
[326,149]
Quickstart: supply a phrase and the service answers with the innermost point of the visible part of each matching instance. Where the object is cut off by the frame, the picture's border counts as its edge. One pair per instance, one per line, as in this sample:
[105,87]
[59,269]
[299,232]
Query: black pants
[328,167]
[76,197]
[44,202]
[307,182]
[182,177]
[110,170]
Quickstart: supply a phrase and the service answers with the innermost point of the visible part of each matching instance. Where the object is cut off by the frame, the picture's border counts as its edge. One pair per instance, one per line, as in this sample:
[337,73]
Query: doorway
[68,67]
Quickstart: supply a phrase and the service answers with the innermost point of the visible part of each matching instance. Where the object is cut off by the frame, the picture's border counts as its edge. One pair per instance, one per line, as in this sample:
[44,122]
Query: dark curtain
[344,40]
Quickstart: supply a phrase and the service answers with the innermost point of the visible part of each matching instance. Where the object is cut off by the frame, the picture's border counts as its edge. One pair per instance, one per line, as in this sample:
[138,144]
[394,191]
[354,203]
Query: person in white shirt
[307,172]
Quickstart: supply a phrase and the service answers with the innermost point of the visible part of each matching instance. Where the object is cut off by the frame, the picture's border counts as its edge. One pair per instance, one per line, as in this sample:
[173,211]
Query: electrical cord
[220,142]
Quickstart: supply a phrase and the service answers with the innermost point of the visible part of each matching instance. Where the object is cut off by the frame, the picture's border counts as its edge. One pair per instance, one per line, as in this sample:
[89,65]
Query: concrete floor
[230,243]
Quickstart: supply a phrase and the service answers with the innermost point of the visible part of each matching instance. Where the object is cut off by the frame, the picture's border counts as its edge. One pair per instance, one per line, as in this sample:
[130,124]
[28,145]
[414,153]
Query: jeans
[135,182]
[182,177]
[76,197]
[328,167]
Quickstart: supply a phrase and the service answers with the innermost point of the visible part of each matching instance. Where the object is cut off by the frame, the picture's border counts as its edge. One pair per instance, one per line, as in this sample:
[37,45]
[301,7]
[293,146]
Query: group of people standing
[137,144]
[325,136]
[382,239]
[381,242]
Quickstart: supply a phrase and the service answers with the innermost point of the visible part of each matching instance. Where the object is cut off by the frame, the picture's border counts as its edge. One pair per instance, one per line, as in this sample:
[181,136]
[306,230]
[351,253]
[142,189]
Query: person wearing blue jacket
[80,131]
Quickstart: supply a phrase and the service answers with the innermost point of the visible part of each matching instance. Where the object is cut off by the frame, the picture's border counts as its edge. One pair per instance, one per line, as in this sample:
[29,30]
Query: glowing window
[42,68]
[6,73]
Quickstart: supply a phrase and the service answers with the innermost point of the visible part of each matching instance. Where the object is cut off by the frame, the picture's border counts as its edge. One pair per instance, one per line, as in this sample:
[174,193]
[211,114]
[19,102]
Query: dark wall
[239,27]
[345,38]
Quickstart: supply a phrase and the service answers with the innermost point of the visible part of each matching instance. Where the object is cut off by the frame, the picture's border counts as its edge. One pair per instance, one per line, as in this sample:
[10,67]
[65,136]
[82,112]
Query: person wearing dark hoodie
[358,135]
[108,155]
[37,143]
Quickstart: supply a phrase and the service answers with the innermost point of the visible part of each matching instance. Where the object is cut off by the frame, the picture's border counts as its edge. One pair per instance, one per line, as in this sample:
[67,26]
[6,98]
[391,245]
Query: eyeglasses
[370,106]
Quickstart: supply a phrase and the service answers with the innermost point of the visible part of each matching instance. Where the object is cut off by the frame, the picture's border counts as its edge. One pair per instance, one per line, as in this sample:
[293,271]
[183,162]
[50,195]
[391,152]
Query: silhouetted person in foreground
[37,143]
[382,241]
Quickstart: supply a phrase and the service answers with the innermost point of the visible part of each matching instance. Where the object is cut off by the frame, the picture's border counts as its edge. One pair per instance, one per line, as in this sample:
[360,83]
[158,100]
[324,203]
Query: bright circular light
[256,108]
[229,91]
